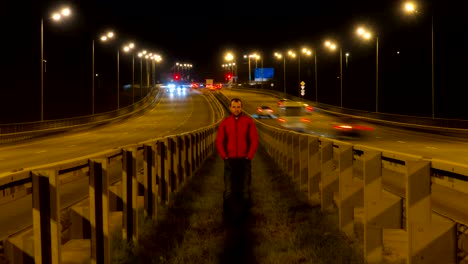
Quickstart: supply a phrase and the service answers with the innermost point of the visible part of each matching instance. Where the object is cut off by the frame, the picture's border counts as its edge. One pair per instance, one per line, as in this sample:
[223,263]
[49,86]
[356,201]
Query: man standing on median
[237,143]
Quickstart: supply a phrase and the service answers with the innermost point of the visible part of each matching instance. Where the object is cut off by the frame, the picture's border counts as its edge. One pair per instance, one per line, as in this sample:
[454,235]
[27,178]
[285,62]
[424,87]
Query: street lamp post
[92,71]
[292,54]
[315,71]
[332,46]
[140,55]
[376,74]
[250,72]
[256,58]
[341,76]
[410,7]
[42,70]
[280,56]
[64,12]
[306,52]
[105,37]
[118,79]
[365,34]
[128,48]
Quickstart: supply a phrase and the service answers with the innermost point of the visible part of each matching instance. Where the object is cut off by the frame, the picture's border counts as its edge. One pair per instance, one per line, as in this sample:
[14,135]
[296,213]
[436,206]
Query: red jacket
[237,138]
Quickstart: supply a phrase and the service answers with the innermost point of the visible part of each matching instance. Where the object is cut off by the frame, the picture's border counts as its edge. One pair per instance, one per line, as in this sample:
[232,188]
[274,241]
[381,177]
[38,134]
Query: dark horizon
[405,84]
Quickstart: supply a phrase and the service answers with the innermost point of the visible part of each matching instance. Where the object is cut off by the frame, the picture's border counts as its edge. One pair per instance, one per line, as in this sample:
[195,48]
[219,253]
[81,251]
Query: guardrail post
[161,166]
[46,217]
[329,180]
[429,241]
[188,155]
[290,155]
[314,170]
[350,192]
[129,196]
[296,158]
[99,211]
[303,162]
[197,149]
[182,158]
[175,162]
[204,141]
[284,151]
[380,211]
[168,169]
[149,181]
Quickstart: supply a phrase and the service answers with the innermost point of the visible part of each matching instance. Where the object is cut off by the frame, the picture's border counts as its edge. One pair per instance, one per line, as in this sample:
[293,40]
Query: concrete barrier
[403,208]
[84,235]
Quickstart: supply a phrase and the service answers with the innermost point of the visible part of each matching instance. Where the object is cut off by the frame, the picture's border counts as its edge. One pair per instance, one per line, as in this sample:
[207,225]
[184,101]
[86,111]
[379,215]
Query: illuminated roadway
[178,113]
[173,114]
[391,139]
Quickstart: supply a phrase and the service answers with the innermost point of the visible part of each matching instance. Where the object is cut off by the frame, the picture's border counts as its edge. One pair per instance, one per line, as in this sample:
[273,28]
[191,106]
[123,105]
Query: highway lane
[382,137]
[175,113]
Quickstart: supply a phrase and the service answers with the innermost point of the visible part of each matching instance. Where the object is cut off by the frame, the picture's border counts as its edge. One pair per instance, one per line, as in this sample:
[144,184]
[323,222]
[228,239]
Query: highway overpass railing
[121,186]
[397,205]
[446,127]
[21,131]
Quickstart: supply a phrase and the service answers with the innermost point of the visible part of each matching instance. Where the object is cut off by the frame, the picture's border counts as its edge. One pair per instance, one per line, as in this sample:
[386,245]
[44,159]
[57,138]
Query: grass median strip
[282,226]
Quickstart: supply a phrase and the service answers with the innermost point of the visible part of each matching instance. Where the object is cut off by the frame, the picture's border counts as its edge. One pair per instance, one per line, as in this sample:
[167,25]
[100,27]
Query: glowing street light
[56,16]
[256,57]
[104,37]
[127,49]
[229,57]
[293,54]
[142,54]
[367,35]
[410,7]
[280,56]
[332,46]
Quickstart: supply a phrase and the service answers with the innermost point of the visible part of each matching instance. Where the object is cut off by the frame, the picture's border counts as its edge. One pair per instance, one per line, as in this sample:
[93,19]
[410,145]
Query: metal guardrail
[390,200]
[166,163]
[386,199]
[445,127]
[380,195]
[22,131]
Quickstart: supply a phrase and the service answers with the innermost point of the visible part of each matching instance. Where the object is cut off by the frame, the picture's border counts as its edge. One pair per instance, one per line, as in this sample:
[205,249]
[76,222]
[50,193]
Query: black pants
[236,197]
[237,177]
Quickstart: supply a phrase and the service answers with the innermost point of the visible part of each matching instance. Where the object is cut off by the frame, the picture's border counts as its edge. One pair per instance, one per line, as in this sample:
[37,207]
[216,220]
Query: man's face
[236,108]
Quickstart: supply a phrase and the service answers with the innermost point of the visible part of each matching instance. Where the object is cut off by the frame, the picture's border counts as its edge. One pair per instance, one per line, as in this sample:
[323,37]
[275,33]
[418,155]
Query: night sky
[200,33]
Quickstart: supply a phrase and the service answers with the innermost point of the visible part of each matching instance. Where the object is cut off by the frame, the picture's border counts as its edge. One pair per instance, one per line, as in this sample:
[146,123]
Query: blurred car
[282,101]
[292,115]
[265,111]
[348,127]
[308,108]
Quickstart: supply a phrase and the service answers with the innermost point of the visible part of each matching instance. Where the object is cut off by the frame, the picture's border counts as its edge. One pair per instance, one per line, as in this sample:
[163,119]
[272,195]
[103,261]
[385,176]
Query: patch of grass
[282,226]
